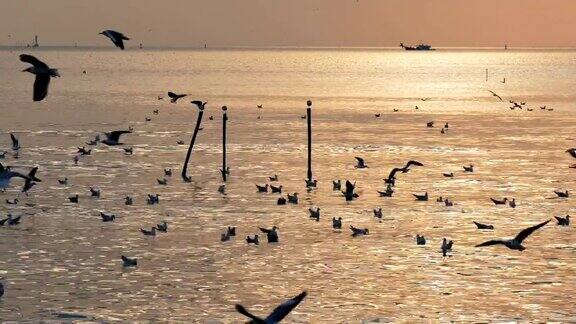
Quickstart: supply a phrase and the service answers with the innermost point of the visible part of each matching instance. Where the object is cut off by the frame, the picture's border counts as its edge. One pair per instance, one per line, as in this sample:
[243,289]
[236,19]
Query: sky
[340,23]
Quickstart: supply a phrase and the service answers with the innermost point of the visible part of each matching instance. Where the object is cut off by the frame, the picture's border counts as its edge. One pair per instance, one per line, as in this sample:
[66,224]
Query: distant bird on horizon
[516,242]
[277,315]
[43,74]
[116,37]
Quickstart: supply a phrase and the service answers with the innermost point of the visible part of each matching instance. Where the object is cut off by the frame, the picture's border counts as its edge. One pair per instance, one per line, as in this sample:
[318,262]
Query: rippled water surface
[63,263]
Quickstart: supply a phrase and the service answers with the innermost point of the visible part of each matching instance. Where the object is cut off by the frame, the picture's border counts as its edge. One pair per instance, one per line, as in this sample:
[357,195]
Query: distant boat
[421,47]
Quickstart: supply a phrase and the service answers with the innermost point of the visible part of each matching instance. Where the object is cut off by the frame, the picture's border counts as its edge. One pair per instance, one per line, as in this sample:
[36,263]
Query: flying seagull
[113,138]
[15,143]
[116,37]
[277,315]
[516,242]
[43,73]
[174,97]
[6,175]
[495,95]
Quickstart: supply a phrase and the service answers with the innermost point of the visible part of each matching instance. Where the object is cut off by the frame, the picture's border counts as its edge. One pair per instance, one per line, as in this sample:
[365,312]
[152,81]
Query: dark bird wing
[491,242]
[559,219]
[495,95]
[41,86]
[413,162]
[360,160]
[199,104]
[32,174]
[14,140]
[526,232]
[172,95]
[117,38]
[265,230]
[281,311]
[32,60]
[115,135]
[393,173]
[240,309]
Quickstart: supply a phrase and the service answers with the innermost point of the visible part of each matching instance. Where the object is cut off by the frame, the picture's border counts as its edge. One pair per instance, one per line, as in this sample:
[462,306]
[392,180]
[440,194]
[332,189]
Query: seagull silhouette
[174,97]
[43,74]
[516,242]
[113,138]
[277,315]
[116,37]
[15,143]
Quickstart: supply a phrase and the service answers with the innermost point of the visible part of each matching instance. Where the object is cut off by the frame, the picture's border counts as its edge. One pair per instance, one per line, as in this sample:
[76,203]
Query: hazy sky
[292,22]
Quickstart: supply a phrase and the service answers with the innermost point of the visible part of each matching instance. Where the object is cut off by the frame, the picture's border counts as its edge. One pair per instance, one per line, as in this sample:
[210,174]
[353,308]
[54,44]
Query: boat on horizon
[420,47]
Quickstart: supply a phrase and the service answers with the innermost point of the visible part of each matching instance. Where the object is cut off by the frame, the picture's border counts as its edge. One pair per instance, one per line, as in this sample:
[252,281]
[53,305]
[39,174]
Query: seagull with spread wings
[277,315]
[43,74]
[116,37]
[516,242]
[113,138]
[495,95]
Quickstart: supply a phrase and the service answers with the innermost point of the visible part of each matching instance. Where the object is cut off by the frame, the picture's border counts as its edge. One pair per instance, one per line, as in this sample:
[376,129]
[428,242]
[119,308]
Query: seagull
[254,240]
[116,37]
[562,194]
[336,185]
[107,217]
[128,150]
[262,188]
[359,231]
[281,201]
[43,73]
[15,143]
[430,124]
[420,239]
[168,172]
[12,202]
[276,189]
[28,184]
[469,168]
[73,199]
[277,314]
[113,138]
[516,242]
[162,182]
[201,105]
[512,203]
[128,201]
[222,189]
[410,163]
[311,183]
[153,199]
[572,152]
[423,197]
[162,227]
[174,97]
[448,175]
[378,212]
[483,226]
[563,221]
[495,95]
[360,164]
[448,203]
[180,142]
[377,115]
[293,199]
[224,237]
[499,202]
[392,176]
[446,246]
[337,223]
[231,231]
[127,262]
[271,234]
[6,176]
[151,232]
[315,213]
[349,194]
[259,106]
[273,178]
[94,192]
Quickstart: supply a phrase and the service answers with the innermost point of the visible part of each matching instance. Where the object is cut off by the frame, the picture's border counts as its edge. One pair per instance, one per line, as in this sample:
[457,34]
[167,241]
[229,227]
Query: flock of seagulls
[43,74]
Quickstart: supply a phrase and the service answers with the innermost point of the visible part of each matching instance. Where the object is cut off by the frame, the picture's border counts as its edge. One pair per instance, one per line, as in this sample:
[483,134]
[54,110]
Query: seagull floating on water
[262,188]
[271,234]
[276,189]
[423,197]
[314,213]
[562,194]
[337,223]
[469,168]
[127,262]
[361,164]
[128,201]
[162,227]
[251,240]
[281,201]
[151,232]
[277,315]
[116,37]
[516,242]
[43,74]
[107,217]
[359,231]
[420,239]
[336,185]
[446,246]
[483,226]
[273,178]
[74,199]
[563,221]
[293,199]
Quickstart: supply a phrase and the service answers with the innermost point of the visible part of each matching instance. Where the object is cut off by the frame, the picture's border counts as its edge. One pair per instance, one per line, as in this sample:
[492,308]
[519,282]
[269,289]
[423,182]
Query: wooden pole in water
[224,119]
[309,119]
[196,129]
